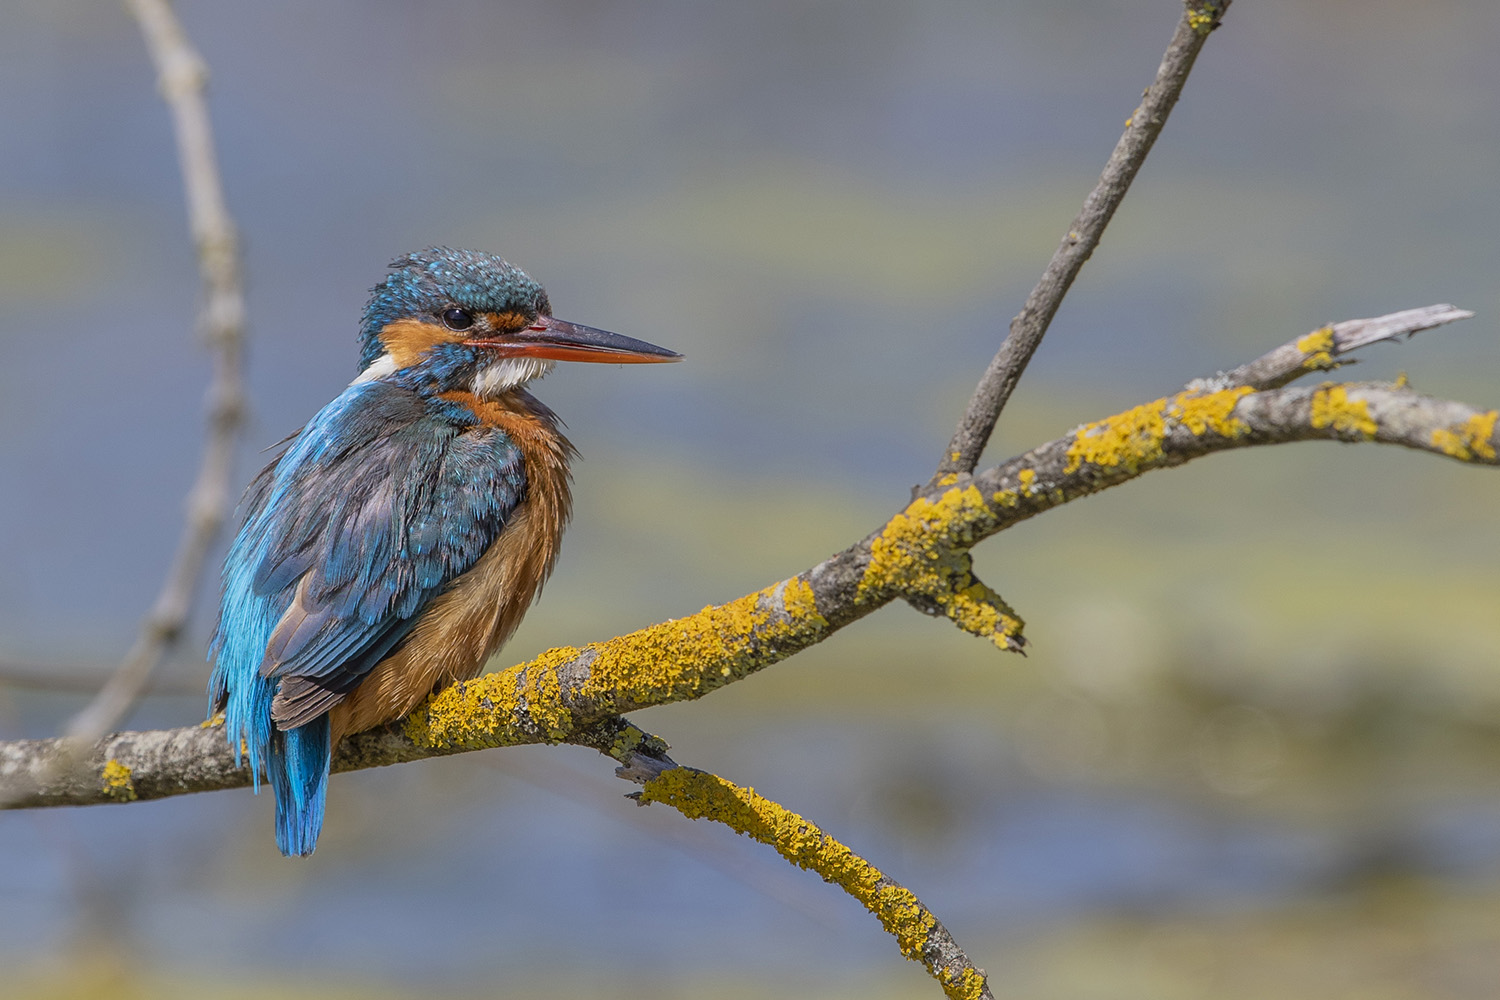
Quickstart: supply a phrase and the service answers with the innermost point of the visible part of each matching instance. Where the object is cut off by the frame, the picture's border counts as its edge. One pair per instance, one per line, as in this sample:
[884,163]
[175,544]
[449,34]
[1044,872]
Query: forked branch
[1199,17]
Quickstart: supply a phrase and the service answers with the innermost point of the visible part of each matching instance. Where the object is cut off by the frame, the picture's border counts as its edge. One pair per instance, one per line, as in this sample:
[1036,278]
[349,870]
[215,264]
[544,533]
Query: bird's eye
[458,319]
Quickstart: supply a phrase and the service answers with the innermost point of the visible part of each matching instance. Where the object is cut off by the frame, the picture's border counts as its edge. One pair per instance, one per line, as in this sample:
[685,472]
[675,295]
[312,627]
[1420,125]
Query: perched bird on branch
[396,542]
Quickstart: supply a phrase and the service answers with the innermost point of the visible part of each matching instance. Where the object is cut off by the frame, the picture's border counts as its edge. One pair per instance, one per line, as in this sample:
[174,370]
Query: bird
[397,539]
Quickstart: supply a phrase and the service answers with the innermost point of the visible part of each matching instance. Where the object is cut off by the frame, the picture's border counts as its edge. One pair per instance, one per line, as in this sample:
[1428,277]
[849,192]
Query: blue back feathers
[387,495]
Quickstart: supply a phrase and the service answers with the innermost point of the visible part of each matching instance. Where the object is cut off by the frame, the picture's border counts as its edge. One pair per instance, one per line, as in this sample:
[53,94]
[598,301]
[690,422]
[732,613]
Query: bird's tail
[299,779]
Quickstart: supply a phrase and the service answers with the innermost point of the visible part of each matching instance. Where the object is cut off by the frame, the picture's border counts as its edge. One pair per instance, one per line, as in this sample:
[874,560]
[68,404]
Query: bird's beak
[557,340]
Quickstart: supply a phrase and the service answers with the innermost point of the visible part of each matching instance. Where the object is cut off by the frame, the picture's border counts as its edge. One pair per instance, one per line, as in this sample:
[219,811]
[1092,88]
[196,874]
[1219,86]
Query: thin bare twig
[1026,331]
[182,77]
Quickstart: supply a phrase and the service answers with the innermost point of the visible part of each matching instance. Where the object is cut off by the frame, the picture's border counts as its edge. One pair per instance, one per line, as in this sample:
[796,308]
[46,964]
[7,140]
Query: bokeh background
[1253,752]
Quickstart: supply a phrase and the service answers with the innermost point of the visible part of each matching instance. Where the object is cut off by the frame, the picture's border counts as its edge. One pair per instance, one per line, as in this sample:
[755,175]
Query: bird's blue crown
[423,284]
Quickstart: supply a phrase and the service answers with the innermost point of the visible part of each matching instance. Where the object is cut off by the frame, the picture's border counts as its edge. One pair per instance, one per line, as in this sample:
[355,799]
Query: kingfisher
[396,541]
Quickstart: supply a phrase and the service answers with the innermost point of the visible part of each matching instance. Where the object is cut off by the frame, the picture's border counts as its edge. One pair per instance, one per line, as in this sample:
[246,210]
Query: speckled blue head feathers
[423,284]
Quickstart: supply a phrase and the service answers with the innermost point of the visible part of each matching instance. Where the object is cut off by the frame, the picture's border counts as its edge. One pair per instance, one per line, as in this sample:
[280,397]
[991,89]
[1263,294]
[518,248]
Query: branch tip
[1327,347]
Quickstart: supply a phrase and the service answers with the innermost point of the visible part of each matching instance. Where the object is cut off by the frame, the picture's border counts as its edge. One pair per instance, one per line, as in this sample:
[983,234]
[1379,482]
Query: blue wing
[383,499]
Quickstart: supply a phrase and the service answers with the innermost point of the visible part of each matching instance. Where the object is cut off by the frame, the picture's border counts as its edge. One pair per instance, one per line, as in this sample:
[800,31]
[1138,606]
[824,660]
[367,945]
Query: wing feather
[372,511]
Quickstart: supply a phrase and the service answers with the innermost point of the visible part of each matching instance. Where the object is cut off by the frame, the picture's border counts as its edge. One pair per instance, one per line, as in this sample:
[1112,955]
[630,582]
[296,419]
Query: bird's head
[469,320]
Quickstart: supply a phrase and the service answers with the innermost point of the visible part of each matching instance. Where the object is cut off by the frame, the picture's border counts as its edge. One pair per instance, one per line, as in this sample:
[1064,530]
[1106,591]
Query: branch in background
[182,77]
[50,678]
[920,551]
[701,795]
[1026,331]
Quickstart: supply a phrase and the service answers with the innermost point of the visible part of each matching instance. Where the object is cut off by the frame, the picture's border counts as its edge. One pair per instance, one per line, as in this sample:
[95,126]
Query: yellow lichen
[1317,349]
[1133,439]
[699,795]
[1202,19]
[980,611]
[912,552]
[1126,439]
[1026,480]
[1332,407]
[947,480]
[675,660]
[116,781]
[632,739]
[920,553]
[1319,341]
[1470,439]
[801,603]
[967,984]
[1213,411]
[695,655]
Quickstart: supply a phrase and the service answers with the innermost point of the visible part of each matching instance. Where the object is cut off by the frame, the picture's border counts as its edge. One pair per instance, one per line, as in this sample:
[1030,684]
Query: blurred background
[1253,751]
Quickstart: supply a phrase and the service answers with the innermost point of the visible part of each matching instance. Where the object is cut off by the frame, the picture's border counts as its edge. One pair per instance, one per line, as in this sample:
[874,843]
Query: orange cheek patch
[406,340]
[508,322]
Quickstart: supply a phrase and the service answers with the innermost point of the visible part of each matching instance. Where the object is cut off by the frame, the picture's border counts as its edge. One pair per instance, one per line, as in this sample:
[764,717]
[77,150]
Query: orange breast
[478,611]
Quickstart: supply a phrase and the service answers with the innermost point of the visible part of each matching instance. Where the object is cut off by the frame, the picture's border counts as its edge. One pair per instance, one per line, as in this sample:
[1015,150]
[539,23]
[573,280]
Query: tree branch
[921,552]
[182,77]
[701,795]
[1321,349]
[1199,17]
[919,934]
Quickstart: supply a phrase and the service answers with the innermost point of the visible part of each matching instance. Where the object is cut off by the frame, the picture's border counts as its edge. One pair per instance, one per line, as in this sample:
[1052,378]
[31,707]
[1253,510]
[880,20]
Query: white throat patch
[493,380]
[501,376]
[379,368]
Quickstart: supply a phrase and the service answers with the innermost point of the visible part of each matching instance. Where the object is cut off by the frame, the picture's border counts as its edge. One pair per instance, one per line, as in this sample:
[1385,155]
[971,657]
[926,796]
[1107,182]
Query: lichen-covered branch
[1327,347]
[121,767]
[700,795]
[919,934]
[182,76]
[1199,17]
[920,554]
